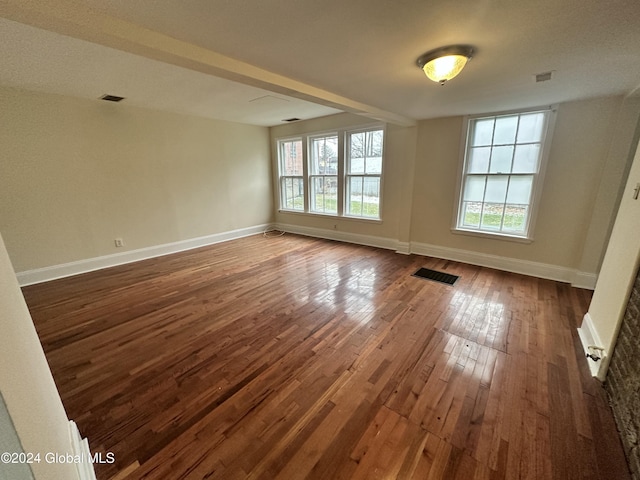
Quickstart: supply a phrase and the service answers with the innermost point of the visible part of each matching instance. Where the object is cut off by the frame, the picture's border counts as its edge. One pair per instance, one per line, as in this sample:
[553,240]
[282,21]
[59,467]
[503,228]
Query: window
[364,170]
[338,174]
[501,175]
[292,176]
[323,166]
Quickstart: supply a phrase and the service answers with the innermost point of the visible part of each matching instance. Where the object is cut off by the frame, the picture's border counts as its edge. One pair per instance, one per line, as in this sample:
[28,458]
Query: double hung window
[337,174]
[323,174]
[363,173]
[501,177]
[291,174]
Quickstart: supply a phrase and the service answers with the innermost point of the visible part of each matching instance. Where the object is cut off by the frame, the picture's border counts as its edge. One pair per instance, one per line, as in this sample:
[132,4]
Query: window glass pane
[482,132]
[292,193]
[287,192]
[501,159]
[505,131]
[357,152]
[520,189]
[374,152]
[324,194]
[496,191]
[374,165]
[492,216]
[526,158]
[291,158]
[324,155]
[474,188]
[316,198]
[479,159]
[371,197]
[471,214]
[365,152]
[331,195]
[355,193]
[363,196]
[530,129]
[515,218]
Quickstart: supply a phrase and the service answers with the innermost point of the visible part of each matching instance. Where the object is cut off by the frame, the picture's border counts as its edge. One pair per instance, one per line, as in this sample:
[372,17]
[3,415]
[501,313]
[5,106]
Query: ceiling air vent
[543,77]
[111,98]
[290,119]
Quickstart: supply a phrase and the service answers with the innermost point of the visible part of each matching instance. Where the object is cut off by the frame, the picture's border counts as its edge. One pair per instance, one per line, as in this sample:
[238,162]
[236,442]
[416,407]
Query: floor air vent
[436,276]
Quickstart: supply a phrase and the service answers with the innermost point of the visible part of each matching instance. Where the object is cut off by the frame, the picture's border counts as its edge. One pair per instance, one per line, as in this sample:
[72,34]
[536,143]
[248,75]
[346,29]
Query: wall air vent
[543,77]
[290,119]
[111,98]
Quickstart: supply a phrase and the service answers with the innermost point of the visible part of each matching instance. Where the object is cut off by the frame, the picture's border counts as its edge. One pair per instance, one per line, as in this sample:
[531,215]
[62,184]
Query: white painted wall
[26,383]
[619,267]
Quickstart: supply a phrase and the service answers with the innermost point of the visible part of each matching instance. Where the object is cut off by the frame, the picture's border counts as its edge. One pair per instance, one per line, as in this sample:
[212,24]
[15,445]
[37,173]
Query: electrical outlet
[119,242]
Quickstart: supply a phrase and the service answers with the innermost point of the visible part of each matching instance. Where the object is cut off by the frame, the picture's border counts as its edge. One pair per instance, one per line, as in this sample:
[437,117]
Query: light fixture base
[464,50]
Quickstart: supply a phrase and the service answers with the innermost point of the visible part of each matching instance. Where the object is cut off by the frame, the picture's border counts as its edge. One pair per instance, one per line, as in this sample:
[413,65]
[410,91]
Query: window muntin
[502,163]
[363,173]
[291,174]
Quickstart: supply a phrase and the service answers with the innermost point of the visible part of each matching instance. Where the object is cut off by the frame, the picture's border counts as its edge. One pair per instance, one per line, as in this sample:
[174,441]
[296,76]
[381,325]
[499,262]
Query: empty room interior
[319,240]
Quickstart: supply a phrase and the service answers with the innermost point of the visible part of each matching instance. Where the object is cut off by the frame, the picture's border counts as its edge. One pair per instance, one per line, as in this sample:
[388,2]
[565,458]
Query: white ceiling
[306,59]
[40,60]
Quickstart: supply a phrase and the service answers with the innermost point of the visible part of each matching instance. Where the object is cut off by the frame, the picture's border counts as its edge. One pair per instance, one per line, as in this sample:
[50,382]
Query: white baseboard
[535,269]
[39,275]
[403,247]
[80,449]
[589,337]
[524,267]
[584,280]
[368,240]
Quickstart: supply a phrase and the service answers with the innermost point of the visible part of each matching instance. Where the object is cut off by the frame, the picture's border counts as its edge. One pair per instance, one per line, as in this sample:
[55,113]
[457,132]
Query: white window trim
[342,154]
[539,178]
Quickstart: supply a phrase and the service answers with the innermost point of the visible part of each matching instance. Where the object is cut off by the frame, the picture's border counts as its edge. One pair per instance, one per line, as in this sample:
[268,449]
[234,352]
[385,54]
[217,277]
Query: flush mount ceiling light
[444,63]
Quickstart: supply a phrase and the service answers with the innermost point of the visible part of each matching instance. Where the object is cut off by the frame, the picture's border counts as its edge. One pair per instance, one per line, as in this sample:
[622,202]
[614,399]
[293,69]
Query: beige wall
[76,174]
[618,163]
[26,383]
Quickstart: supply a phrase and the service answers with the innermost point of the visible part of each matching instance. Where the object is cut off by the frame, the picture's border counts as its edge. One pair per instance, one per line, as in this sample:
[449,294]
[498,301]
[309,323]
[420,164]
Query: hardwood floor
[292,358]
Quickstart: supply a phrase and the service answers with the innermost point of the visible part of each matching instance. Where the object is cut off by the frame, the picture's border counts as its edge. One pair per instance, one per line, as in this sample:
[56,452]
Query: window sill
[493,236]
[333,217]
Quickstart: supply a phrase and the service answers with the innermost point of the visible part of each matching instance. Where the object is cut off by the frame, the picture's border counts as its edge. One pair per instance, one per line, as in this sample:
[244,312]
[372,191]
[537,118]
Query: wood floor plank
[300,358]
